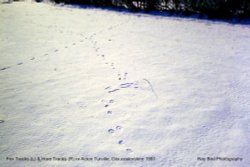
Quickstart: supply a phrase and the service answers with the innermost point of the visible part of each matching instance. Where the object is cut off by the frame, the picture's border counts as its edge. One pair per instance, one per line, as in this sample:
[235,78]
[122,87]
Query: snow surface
[98,83]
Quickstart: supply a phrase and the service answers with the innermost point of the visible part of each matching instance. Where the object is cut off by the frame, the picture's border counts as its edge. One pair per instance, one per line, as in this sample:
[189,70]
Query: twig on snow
[151,86]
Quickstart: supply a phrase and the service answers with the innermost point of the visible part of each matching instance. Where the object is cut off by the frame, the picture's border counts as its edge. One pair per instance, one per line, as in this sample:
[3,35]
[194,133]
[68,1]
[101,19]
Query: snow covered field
[97,83]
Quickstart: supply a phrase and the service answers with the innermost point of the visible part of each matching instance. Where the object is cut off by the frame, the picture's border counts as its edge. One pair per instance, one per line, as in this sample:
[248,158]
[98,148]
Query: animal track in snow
[110,101]
[119,77]
[126,85]
[114,90]
[123,86]
[118,127]
[109,112]
[19,63]
[111,131]
[108,87]
[4,68]
[125,76]
[112,66]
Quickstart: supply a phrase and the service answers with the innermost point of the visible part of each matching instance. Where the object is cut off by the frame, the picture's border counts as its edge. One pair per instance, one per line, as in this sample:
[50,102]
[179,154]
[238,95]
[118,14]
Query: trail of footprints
[117,130]
[123,86]
[48,52]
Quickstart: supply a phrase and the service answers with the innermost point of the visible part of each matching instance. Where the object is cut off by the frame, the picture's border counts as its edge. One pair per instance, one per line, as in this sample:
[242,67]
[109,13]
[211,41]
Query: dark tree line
[213,8]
